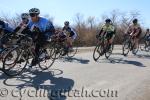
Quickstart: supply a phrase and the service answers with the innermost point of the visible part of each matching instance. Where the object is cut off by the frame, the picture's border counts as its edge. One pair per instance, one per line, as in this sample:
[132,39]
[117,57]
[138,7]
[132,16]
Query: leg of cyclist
[136,41]
[110,38]
[71,40]
[68,44]
[39,43]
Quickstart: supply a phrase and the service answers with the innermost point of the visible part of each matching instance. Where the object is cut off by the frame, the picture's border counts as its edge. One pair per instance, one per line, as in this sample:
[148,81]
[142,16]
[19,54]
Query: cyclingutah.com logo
[58,93]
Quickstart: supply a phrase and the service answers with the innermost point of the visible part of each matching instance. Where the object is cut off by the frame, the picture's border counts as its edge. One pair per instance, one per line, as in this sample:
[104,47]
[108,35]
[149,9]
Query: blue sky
[63,10]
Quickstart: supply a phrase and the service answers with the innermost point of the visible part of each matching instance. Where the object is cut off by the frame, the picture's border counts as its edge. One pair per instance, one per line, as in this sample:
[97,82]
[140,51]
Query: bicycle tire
[47,59]
[126,45]
[98,50]
[109,52]
[6,70]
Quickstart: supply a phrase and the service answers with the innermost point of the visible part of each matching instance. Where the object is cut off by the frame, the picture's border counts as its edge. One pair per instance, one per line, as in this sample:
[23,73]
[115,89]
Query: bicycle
[144,44]
[59,44]
[10,41]
[17,58]
[103,47]
[129,45]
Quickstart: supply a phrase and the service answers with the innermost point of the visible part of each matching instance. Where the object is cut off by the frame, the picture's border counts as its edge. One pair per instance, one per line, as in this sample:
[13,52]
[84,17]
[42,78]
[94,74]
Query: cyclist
[5,27]
[109,30]
[135,31]
[4,30]
[71,35]
[25,19]
[147,36]
[41,30]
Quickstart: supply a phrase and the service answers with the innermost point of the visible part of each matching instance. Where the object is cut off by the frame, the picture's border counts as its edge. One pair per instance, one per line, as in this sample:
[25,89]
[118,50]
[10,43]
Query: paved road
[81,78]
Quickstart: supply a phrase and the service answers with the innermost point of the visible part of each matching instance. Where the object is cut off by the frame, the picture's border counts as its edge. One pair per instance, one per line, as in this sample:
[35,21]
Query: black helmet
[66,23]
[108,20]
[147,29]
[135,20]
[34,11]
[24,15]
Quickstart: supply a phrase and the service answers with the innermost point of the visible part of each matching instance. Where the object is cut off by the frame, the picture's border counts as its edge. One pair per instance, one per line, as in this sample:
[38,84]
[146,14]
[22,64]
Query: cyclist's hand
[36,29]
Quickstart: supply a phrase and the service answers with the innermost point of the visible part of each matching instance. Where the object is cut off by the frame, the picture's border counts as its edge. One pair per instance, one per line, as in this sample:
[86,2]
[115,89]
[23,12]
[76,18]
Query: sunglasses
[24,18]
[33,15]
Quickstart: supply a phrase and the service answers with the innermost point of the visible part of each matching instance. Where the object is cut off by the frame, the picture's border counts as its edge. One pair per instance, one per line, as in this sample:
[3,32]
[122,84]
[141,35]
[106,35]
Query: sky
[63,10]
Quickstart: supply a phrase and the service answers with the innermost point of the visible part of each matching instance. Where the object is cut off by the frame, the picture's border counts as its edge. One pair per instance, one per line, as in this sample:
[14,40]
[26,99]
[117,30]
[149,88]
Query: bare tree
[79,20]
[91,21]
[114,16]
[50,18]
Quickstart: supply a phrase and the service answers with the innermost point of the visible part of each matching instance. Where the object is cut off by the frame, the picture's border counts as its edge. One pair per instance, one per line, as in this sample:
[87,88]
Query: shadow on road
[43,81]
[122,61]
[2,75]
[143,56]
[78,60]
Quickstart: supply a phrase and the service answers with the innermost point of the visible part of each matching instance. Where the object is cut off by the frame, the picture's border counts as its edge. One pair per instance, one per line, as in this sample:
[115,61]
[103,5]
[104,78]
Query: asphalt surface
[81,78]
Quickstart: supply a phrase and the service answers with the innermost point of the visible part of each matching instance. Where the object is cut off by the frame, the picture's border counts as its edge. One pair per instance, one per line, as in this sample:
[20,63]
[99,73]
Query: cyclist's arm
[17,29]
[50,28]
[129,30]
[102,30]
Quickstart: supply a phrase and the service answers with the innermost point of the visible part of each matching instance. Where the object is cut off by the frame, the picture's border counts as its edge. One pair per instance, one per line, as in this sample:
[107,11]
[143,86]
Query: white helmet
[34,11]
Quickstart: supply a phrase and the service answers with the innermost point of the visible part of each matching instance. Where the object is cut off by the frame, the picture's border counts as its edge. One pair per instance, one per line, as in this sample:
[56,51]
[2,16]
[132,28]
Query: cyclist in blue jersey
[5,27]
[4,30]
[41,30]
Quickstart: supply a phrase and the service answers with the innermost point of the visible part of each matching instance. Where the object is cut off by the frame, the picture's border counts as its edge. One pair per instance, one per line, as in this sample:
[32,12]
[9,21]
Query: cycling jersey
[108,28]
[134,29]
[71,32]
[46,27]
[2,24]
[5,26]
[147,36]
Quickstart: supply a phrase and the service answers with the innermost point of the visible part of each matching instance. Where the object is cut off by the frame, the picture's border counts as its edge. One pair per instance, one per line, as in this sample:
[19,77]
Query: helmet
[66,23]
[147,29]
[34,11]
[135,21]
[24,15]
[108,20]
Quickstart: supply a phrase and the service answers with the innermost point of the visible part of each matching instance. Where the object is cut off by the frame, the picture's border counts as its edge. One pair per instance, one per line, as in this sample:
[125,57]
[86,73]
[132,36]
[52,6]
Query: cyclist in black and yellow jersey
[107,29]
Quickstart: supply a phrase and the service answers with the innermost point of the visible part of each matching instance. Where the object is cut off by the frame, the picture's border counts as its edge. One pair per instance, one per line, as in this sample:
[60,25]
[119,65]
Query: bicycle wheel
[58,51]
[126,48]
[45,59]
[71,53]
[97,52]
[109,50]
[135,50]
[57,47]
[144,46]
[14,62]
